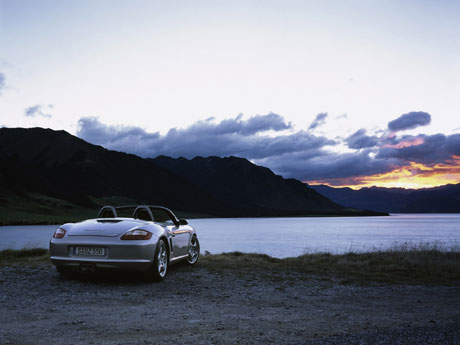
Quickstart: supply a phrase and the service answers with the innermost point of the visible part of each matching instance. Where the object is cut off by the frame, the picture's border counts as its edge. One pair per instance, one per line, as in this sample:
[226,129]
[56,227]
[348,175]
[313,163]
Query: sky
[347,93]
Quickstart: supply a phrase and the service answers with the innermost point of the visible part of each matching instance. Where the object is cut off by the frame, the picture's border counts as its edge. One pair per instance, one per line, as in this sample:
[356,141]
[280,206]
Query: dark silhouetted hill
[57,164]
[236,181]
[44,165]
[443,199]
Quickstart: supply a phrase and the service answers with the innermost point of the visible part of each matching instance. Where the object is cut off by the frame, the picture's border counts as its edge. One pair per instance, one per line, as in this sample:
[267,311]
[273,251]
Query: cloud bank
[237,137]
[270,141]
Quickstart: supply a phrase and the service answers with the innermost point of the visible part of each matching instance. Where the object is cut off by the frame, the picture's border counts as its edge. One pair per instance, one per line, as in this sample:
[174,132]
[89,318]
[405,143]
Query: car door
[179,234]
[180,240]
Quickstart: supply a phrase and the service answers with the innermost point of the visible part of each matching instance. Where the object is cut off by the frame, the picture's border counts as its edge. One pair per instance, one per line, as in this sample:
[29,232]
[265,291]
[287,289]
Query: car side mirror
[182,221]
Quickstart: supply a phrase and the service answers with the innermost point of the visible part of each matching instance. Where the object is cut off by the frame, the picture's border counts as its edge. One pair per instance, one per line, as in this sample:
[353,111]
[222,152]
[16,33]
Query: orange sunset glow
[412,176]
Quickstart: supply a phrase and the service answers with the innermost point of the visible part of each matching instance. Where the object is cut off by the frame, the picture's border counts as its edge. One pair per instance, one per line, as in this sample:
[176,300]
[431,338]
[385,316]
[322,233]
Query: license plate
[96,251]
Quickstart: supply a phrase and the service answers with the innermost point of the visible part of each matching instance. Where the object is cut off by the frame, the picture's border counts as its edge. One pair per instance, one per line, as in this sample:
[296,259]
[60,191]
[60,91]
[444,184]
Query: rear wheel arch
[168,247]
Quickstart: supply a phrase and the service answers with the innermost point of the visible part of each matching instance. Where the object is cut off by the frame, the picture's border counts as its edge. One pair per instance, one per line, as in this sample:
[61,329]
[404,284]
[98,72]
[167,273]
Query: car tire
[193,251]
[160,263]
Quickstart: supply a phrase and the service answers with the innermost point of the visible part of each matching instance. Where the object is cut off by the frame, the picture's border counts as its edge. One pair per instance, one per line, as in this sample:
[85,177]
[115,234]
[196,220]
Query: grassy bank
[416,265]
[38,209]
[24,256]
[413,267]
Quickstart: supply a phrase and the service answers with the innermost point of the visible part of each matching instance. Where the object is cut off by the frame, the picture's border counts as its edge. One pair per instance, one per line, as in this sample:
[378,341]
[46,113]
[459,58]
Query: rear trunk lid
[104,227]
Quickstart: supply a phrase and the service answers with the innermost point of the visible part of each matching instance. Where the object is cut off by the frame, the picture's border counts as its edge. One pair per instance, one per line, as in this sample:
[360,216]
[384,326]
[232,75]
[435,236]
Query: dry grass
[24,256]
[413,265]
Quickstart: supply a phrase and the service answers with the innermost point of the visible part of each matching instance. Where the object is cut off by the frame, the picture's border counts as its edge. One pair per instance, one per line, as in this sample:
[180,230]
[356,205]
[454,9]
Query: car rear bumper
[135,265]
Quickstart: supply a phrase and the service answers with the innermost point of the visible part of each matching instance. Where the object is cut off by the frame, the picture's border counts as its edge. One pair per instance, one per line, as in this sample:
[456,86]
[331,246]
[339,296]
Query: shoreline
[315,215]
[347,215]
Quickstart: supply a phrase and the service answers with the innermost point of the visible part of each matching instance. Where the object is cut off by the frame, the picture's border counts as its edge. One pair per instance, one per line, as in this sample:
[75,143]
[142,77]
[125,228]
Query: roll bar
[137,208]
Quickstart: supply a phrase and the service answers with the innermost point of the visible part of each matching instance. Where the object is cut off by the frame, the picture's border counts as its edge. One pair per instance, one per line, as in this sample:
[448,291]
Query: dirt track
[198,305]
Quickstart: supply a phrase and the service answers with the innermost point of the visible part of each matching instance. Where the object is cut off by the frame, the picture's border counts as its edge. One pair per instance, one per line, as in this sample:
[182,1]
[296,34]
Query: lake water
[287,237]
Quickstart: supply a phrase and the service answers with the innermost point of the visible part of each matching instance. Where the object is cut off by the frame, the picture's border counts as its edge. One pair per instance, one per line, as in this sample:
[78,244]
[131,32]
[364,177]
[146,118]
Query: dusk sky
[347,93]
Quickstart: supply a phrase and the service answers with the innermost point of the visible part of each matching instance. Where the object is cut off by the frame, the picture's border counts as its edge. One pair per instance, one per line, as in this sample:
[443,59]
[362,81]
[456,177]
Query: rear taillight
[137,235]
[59,233]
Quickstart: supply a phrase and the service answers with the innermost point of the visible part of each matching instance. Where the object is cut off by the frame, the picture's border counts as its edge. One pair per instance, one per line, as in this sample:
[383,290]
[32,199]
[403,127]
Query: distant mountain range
[45,171]
[443,199]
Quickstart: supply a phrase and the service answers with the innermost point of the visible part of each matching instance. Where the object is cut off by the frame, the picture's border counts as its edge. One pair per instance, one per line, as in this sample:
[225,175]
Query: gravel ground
[204,306]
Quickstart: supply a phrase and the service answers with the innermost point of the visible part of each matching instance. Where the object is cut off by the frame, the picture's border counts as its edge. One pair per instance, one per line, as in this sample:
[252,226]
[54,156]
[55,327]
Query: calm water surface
[286,237]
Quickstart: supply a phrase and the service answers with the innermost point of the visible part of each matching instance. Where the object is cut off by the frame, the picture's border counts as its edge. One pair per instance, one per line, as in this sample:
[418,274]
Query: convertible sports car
[148,241]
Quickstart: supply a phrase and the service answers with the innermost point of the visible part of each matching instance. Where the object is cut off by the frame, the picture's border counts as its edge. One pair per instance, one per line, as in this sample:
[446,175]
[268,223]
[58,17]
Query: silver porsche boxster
[142,238]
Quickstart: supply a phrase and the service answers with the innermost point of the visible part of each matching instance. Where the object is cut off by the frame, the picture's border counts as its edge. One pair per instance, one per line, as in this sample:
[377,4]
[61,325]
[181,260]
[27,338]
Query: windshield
[161,216]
